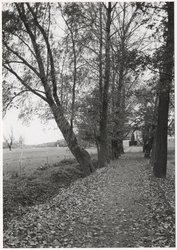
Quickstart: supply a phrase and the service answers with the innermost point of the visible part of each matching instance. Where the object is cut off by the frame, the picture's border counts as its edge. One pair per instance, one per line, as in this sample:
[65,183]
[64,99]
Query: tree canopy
[87,66]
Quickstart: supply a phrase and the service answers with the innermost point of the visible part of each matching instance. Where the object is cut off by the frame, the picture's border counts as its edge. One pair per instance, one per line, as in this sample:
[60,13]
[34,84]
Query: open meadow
[25,161]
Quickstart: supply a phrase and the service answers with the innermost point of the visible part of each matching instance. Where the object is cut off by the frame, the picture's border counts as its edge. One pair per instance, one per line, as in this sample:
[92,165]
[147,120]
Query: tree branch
[25,44]
[37,52]
[26,85]
[23,60]
[50,54]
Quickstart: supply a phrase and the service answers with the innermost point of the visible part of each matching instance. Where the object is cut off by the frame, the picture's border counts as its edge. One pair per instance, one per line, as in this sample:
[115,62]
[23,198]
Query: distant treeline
[59,143]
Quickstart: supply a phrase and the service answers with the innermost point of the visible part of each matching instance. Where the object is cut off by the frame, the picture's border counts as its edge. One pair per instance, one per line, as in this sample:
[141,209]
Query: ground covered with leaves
[121,205]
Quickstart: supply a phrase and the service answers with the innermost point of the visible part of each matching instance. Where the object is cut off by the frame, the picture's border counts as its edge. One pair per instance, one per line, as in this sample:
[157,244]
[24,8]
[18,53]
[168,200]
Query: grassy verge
[20,192]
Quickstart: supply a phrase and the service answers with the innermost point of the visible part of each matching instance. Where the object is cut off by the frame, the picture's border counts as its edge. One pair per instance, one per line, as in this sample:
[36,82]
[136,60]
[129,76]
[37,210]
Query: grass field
[26,161]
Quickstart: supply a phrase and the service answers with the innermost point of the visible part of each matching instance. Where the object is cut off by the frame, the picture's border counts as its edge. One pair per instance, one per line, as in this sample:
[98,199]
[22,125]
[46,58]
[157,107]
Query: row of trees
[91,75]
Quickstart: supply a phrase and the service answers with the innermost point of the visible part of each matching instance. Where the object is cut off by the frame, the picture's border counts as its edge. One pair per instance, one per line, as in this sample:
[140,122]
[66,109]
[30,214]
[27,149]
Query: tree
[104,111]
[9,140]
[27,41]
[88,119]
[146,114]
[125,65]
[166,77]
[162,63]
[85,79]
[72,16]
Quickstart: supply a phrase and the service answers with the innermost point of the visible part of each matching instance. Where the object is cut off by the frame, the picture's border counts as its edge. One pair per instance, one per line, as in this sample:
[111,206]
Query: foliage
[147,100]
[39,70]
[88,71]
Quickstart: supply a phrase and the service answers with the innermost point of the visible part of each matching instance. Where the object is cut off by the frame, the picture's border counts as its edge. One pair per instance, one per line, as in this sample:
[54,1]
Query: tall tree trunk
[100,76]
[160,163]
[81,155]
[104,114]
[120,97]
[97,145]
[153,153]
[74,80]
[154,129]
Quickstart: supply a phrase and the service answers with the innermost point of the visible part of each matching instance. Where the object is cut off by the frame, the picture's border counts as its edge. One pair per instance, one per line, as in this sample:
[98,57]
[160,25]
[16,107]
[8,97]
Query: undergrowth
[20,192]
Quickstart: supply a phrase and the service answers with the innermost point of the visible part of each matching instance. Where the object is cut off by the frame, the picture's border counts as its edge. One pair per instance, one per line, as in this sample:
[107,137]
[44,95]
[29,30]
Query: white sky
[35,133]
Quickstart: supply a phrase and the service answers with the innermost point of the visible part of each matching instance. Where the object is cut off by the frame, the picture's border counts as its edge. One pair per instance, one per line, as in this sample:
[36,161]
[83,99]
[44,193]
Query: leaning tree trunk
[81,155]
[160,163]
[24,13]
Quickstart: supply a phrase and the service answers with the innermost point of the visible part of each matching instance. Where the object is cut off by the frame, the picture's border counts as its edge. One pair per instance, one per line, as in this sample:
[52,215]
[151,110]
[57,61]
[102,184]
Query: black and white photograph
[88,124]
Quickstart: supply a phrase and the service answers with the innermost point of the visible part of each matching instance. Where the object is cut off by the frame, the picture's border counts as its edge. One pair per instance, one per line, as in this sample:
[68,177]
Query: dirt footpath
[133,149]
[118,206]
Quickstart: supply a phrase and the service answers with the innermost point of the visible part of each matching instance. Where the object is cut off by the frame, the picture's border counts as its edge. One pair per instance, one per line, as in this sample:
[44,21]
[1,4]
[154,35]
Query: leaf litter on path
[121,205]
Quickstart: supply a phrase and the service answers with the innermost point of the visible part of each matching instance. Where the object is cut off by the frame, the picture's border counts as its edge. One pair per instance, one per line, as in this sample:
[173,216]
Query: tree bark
[104,114]
[100,84]
[81,155]
[120,96]
[160,163]
[97,146]
[153,154]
